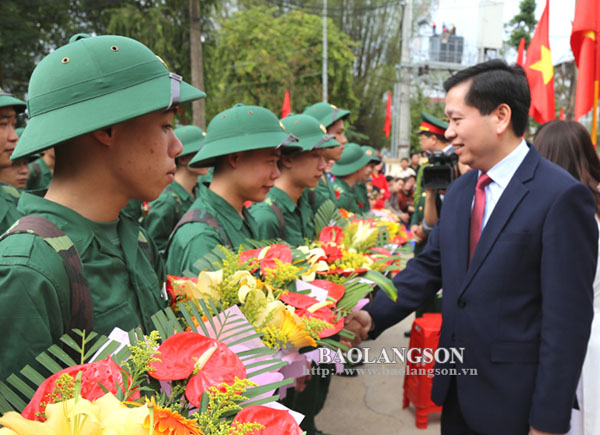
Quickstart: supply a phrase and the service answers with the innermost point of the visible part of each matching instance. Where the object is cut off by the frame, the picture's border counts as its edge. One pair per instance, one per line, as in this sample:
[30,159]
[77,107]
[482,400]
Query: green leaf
[68,340]
[109,349]
[275,366]
[257,391]
[327,213]
[61,355]
[48,363]
[383,283]
[244,339]
[12,397]
[21,386]
[32,375]
[97,345]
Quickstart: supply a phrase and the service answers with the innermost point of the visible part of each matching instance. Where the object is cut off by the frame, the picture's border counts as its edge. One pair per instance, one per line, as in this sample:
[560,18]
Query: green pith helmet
[8,99]
[191,138]
[353,159]
[96,82]
[326,113]
[431,124]
[312,135]
[242,128]
[370,151]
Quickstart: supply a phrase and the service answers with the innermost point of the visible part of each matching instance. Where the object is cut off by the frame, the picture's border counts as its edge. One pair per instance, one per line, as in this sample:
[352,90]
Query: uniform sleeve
[190,243]
[34,303]
[160,221]
[267,225]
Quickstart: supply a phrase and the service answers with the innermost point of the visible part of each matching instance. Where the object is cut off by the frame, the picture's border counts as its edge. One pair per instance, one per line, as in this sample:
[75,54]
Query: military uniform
[279,216]
[354,158]
[125,281]
[165,212]
[362,197]
[121,272]
[9,197]
[175,200]
[211,220]
[323,192]
[348,199]
[39,175]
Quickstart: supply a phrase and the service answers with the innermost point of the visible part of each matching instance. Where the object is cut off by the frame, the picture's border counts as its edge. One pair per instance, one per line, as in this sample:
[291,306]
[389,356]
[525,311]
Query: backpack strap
[280,219]
[312,197]
[81,298]
[196,215]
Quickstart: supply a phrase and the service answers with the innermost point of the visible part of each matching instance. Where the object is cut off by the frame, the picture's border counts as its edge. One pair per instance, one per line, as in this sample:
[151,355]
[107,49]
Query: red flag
[387,127]
[561,113]
[540,72]
[520,52]
[585,45]
[286,109]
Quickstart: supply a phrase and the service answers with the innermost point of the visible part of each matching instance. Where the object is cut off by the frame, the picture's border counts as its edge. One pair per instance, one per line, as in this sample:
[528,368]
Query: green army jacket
[39,175]
[192,241]
[323,192]
[362,196]
[165,212]
[347,196]
[9,198]
[298,222]
[125,283]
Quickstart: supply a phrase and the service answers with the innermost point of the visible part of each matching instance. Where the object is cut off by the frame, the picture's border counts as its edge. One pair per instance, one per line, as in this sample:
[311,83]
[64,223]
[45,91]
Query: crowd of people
[103,196]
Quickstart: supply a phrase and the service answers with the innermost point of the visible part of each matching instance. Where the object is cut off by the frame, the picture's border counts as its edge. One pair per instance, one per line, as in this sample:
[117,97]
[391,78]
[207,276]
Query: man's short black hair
[404,158]
[493,83]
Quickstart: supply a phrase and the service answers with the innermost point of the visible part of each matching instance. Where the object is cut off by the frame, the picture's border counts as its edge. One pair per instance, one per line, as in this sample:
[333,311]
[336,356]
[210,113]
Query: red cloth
[382,184]
[404,200]
[286,107]
[387,126]
[520,52]
[477,212]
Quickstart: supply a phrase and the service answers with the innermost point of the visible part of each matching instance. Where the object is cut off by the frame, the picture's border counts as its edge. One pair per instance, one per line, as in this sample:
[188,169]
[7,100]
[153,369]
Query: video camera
[441,171]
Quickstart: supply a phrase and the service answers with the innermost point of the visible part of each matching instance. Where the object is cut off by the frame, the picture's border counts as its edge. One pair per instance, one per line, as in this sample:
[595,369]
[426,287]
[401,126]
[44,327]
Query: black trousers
[453,421]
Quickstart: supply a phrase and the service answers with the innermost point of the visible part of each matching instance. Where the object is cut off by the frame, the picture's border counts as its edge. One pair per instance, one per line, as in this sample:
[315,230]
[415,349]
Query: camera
[441,171]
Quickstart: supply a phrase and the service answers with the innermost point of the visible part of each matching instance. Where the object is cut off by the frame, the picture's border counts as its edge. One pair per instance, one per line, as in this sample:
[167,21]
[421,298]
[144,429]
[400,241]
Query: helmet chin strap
[175,89]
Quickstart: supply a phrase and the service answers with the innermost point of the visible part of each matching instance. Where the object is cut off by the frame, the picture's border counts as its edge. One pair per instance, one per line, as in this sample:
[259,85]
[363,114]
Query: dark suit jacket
[522,308]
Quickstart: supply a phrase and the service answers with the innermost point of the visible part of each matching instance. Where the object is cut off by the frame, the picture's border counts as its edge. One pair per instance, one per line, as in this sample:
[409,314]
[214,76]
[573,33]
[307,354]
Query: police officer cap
[431,124]
[326,113]
[311,134]
[191,138]
[7,99]
[242,128]
[370,151]
[353,158]
[95,82]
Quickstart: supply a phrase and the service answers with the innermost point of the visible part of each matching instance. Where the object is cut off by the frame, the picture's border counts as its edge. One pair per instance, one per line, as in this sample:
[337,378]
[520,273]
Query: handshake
[359,323]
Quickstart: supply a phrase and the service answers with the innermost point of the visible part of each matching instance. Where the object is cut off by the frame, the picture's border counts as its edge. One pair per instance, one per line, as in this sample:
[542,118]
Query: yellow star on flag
[544,65]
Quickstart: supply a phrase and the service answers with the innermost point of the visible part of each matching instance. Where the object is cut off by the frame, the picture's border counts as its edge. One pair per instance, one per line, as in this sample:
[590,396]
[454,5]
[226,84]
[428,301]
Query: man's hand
[534,431]
[358,322]
[418,233]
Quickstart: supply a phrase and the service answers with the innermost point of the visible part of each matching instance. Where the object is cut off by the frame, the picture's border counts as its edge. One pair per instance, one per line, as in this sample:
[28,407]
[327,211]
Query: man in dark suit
[515,252]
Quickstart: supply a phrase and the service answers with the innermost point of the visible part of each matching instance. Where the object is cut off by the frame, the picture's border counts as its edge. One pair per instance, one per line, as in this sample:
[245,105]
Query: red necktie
[477,213]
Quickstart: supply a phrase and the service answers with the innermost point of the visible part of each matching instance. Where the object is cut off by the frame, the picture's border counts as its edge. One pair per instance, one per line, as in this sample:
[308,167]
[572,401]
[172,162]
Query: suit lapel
[511,197]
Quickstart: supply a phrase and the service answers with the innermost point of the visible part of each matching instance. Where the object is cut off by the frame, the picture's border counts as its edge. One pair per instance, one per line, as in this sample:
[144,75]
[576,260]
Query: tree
[257,54]
[523,24]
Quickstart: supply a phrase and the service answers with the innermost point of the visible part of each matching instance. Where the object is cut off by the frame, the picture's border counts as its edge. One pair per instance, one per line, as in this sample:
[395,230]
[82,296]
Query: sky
[463,13]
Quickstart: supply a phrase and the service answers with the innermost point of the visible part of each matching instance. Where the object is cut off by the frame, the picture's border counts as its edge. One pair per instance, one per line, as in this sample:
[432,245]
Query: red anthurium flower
[333,234]
[307,306]
[266,256]
[342,272]
[275,421]
[335,291]
[105,372]
[332,253]
[209,363]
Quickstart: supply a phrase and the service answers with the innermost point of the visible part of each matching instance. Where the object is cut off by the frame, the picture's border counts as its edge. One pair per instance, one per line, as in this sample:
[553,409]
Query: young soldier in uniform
[333,120]
[286,213]
[106,104]
[9,196]
[16,175]
[348,171]
[360,187]
[244,145]
[40,171]
[178,196]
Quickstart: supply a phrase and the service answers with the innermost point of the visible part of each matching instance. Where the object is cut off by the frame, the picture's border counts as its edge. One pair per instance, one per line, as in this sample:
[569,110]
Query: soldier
[333,119]
[243,144]
[106,104]
[40,172]
[360,187]
[350,169]
[9,196]
[431,137]
[15,175]
[176,199]
[286,213]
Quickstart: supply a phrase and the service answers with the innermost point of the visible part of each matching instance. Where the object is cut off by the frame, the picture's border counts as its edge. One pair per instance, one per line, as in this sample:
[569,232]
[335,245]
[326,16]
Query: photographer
[432,140]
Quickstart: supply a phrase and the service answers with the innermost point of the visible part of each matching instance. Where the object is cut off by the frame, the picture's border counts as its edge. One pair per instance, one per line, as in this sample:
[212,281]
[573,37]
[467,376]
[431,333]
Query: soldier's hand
[359,323]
